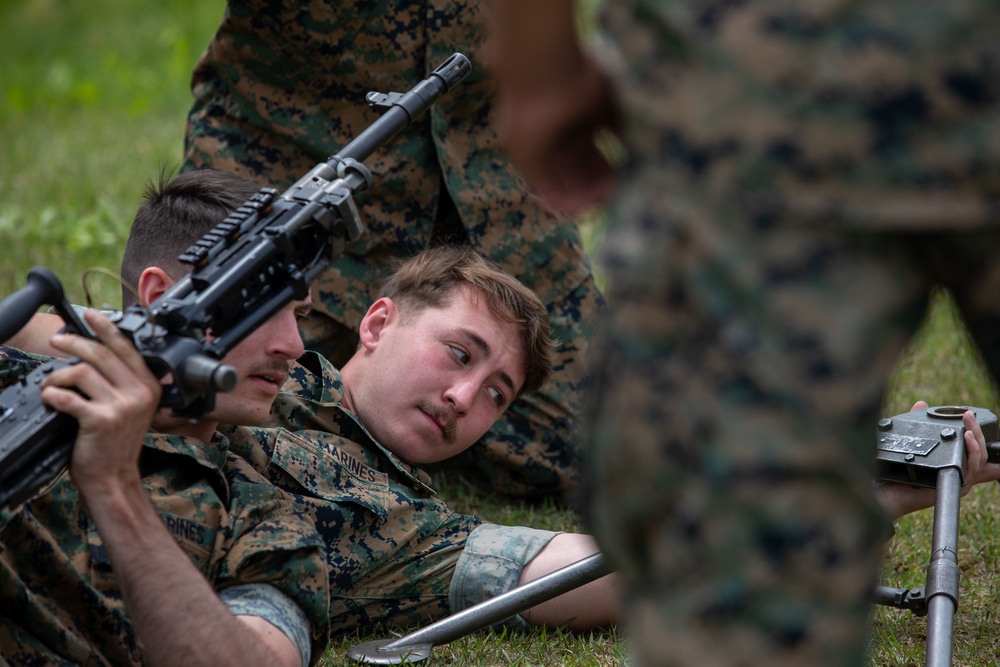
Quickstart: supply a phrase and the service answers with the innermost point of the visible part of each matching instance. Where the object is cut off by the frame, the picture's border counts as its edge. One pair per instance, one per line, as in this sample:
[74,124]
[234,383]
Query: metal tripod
[927,448]
[419,644]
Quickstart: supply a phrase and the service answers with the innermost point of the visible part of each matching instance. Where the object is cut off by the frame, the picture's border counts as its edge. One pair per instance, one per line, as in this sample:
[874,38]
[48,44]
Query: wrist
[114,502]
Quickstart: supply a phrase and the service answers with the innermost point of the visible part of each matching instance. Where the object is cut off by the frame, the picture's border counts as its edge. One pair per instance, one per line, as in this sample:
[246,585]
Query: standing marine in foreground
[800,177]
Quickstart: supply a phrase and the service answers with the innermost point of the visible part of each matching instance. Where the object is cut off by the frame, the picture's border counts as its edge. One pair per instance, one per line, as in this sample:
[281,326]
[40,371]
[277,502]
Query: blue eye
[460,354]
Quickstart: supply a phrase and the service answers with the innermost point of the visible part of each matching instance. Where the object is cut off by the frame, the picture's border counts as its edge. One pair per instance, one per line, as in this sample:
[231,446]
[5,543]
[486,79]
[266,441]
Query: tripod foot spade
[385,652]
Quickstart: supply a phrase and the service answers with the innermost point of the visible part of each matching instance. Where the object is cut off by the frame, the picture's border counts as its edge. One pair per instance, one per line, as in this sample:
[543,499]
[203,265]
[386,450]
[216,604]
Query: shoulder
[314,378]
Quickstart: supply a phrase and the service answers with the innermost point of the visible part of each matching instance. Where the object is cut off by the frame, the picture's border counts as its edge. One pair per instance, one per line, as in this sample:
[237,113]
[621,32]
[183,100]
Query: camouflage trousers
[730,437]
[533,449]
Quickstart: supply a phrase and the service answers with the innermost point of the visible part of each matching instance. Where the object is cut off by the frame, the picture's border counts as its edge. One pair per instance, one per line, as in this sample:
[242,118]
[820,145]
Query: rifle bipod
[418,645]
[927,448]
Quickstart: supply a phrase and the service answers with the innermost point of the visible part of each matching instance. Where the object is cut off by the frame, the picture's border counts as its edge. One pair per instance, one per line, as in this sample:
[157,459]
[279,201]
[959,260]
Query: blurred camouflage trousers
[282,87]
[803,175]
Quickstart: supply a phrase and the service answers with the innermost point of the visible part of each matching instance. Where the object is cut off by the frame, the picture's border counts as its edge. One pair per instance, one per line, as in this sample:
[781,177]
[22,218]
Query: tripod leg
[418,644]
[942,572]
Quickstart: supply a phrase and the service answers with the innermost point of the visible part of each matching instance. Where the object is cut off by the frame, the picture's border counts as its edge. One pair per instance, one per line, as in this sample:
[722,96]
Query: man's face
[261,361]
[433,381]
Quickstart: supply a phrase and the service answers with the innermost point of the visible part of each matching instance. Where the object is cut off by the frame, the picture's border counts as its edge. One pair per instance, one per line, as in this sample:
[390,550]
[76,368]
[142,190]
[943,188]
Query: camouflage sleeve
[270,604]
[275,544]
[491,565]
[391,546]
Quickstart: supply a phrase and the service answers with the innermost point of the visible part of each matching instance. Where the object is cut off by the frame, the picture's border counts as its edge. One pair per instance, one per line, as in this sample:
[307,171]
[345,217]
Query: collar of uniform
[313,380]
[210,454]
[420,479]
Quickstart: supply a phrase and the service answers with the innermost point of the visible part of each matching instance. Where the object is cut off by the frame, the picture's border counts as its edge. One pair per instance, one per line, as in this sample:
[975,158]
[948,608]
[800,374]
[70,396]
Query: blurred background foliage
[94,98]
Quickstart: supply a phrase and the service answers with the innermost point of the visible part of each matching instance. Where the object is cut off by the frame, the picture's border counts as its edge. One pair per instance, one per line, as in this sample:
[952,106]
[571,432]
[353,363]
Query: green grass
[93,102]
[94,96]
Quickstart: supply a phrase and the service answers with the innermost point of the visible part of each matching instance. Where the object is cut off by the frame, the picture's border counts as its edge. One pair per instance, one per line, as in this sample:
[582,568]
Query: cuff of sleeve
[269,603]
[491,565]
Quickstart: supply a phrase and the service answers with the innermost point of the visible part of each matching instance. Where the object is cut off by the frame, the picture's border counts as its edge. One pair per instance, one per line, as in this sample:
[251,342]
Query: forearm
[35,335]
[175,612]
[897,500]
[177,615]
[592,605]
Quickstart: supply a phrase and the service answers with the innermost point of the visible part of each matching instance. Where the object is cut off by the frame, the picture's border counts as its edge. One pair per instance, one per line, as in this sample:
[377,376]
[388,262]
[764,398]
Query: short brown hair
[429,280]
[175,213]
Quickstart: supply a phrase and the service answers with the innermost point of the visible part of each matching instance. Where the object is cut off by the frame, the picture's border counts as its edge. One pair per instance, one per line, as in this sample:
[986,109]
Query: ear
[153,282]
[380,315]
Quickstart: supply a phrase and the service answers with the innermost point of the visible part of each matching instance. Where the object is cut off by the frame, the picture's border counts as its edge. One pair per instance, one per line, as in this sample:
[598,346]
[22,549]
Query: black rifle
[927,448]
[256,261]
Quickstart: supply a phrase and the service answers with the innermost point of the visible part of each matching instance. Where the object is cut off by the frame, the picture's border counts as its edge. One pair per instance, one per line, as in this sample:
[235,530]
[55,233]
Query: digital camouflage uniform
[61,601]
[396,555]
[801,175]
[281,88]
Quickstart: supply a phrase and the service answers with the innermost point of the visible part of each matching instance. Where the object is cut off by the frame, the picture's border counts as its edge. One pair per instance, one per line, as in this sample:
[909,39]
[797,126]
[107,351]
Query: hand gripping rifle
[927,448]
[256,261]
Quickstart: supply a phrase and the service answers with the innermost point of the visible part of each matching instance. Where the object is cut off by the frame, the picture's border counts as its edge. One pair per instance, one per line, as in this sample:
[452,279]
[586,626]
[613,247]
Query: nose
[461,394]
[284,339]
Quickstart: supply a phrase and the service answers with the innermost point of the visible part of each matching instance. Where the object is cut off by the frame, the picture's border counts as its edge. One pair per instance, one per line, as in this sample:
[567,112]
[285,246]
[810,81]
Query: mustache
[445,417]
[270,367]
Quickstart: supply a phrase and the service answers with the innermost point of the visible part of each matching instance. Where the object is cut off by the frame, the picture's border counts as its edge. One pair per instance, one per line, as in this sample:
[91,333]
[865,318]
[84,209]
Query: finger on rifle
[113,356]
[57,388]
[109,334]
[112,343]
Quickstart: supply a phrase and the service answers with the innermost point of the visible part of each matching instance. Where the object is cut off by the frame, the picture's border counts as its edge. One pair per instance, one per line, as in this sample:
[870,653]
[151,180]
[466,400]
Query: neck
[347,372]
[202,430]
